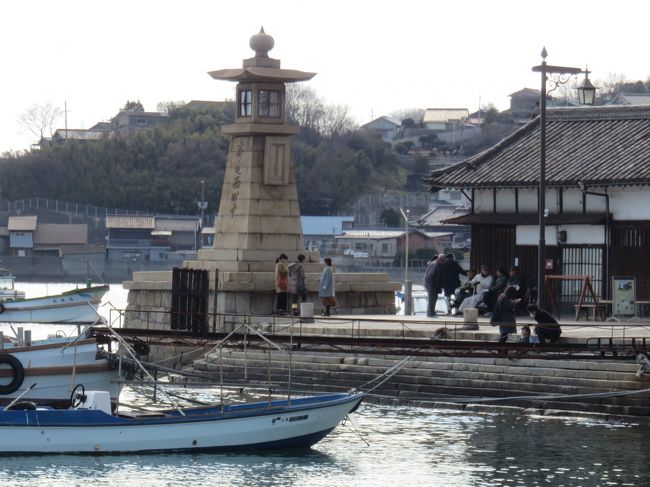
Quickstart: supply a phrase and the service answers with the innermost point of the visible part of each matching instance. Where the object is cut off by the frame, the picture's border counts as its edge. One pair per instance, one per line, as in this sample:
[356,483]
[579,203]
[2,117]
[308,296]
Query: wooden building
[597,198]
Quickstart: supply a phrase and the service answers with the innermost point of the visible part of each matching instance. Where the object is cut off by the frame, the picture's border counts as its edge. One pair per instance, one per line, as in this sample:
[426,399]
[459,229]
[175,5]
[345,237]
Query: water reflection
[407,446]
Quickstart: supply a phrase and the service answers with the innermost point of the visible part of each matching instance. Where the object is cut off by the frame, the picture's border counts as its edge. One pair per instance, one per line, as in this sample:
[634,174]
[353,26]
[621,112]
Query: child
[525,334]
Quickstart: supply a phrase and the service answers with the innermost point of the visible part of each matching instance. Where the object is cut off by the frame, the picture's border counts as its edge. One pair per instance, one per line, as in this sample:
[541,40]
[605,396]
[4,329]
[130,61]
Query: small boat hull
[56,367]
[279,424]
[77,306]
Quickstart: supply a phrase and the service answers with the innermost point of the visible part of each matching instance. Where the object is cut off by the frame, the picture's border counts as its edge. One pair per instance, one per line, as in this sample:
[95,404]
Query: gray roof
[594,145]
[324,225]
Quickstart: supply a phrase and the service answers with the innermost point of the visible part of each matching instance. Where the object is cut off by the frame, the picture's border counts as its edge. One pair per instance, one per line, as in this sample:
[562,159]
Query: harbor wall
[445,382]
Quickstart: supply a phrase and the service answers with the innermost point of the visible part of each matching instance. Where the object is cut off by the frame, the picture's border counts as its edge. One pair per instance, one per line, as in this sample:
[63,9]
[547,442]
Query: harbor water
[393,446]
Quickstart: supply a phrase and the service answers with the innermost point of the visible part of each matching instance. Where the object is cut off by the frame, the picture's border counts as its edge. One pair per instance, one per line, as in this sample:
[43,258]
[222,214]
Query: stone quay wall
[433,381]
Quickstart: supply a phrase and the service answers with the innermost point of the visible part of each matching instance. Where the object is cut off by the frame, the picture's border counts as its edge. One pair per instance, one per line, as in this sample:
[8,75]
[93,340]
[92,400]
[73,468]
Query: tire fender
[18,373]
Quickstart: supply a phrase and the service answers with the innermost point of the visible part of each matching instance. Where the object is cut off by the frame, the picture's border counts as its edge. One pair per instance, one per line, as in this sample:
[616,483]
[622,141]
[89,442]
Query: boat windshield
[7,282]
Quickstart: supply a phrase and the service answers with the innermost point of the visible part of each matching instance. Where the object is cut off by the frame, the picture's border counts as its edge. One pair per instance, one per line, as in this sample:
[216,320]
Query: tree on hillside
[40,120]
[305,108]
[421,165]
[408,123]
[133,106]
[169,106]
[390,217]
[415,114]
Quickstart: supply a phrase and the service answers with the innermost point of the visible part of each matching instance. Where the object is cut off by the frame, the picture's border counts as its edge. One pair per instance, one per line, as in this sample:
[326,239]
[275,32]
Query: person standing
[449,272]
[504,314]
[432,283]
[326,289]
[547,327]
[297,286]
[281,284]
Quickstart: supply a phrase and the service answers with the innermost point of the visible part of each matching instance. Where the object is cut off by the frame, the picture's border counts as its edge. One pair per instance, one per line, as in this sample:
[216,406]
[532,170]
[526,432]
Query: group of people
[501,296]
[291,287]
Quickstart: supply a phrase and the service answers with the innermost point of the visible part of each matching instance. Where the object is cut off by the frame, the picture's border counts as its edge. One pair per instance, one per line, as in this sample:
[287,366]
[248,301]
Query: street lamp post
[586,95]
[408,285]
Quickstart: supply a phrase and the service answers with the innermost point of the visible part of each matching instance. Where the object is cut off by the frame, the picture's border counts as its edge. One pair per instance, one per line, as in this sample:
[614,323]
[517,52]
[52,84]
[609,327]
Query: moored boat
[56,366]
[91,428]
[75,306]
[7,289]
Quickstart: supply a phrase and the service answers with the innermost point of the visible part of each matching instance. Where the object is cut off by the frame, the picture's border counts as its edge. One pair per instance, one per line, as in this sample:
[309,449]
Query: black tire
[2,308]
[18,370]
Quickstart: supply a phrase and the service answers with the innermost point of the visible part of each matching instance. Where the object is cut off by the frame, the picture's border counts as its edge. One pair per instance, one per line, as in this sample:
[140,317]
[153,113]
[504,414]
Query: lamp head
[586,90]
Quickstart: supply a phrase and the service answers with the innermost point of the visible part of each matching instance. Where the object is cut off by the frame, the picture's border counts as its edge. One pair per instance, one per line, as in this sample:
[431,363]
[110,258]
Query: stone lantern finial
[261,43]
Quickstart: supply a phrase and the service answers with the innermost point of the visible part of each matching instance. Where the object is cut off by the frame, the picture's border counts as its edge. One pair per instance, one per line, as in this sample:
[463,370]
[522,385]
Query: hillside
[161,169]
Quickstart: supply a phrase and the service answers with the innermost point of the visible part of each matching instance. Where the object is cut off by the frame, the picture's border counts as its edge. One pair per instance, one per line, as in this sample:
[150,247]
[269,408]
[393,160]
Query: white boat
[76,306]
[420,299]
[56,366]
[7,289]
[90,427]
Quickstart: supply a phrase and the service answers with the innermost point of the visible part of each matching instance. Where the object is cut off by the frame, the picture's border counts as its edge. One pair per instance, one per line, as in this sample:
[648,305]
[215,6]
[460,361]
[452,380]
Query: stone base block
[254,255]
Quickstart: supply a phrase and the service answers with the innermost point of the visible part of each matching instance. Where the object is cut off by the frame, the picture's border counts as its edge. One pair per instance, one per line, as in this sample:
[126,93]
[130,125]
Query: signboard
[623,296]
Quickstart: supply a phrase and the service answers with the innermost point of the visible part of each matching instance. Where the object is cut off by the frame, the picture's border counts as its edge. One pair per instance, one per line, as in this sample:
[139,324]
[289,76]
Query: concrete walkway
[419,326]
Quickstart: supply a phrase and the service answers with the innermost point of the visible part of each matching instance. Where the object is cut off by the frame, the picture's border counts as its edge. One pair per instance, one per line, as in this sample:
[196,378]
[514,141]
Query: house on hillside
[129,237]
[449,124]
[386,127]
[178,232]
[147,237]
[597,198]
[21,234]
[127,123]
[524,104]
[24,236]
[444,119]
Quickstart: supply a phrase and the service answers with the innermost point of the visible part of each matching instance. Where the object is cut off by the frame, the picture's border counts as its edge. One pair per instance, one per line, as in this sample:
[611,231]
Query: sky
[376,57]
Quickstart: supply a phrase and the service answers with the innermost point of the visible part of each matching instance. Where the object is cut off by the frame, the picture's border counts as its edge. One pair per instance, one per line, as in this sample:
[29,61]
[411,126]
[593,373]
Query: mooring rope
[388,374]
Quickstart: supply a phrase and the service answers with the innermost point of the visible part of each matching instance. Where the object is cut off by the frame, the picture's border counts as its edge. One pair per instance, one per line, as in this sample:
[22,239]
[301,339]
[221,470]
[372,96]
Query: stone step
[522,385]
[532,366]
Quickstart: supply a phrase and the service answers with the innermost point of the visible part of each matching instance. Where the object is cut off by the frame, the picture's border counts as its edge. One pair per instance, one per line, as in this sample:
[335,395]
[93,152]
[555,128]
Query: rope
[388,374]
[465,400]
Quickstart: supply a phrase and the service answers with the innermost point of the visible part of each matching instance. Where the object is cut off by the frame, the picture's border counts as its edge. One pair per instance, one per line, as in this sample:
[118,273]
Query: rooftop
[596,146]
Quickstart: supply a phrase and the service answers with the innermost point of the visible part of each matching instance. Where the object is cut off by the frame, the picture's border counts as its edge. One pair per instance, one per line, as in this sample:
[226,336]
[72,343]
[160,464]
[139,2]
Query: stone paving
[389,325]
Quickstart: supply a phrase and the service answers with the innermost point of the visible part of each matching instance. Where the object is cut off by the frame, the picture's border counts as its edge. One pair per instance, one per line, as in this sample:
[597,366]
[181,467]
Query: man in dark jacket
[432,283]
[449,280]
[547,327]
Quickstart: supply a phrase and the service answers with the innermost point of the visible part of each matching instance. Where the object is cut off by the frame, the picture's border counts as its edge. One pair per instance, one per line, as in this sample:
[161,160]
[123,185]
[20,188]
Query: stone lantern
[259,214]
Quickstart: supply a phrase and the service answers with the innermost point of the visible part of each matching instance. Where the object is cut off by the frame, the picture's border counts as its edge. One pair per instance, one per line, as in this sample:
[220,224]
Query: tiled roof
[22,223]
[146,222]
[177,224]
[529,92]
[385,234]
[631,99]
[433,115]
[527,219]
[595,146]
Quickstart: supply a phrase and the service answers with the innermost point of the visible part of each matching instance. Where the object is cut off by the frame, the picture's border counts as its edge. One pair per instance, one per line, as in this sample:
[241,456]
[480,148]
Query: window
[245,103]
[140,121]
[385,248]
[269,104]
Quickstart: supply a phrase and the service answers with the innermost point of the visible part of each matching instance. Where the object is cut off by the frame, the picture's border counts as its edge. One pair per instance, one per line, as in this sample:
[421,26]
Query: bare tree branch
[40,119]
